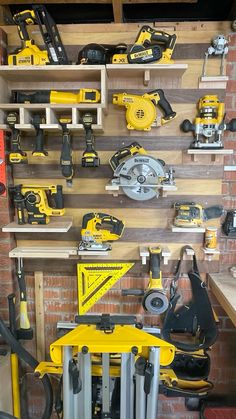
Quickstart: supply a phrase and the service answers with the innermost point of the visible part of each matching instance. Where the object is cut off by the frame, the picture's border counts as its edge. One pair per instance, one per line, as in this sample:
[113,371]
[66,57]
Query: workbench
[223,286]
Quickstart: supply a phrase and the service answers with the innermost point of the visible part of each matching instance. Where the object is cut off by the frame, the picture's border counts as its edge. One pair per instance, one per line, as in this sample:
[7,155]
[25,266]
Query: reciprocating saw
[35,204]
[54,97]
[141,111]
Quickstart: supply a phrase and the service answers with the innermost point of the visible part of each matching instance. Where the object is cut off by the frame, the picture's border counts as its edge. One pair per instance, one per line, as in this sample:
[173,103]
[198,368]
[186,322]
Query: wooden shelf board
[53,73]
[200,151]
[213,82]
[167,70]
[223,286]
[56,225]
[93,253]
[57,107]
[187,230]
[43,252]
[210,251]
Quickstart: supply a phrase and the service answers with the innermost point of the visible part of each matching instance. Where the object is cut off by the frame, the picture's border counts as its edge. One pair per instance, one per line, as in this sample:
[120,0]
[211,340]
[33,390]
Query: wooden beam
[117,11]
[39,314]
[7,2]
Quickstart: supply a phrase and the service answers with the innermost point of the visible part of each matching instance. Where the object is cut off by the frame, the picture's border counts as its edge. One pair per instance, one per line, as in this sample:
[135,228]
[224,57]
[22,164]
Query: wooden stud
[39,313]
[117,11]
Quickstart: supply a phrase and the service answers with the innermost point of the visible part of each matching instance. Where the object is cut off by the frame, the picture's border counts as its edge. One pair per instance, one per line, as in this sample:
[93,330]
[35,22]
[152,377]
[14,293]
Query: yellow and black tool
[39,140]
[190,214]
[141,111]
[154,299]
[31,54]
[98,229]
[54,97]
[90,156]
[66,159]
[209,125]
[16,155]
[95,279]
[151,46]
[35,204]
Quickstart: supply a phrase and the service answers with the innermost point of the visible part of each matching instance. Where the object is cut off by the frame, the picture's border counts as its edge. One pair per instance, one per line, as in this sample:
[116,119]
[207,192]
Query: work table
[223,286]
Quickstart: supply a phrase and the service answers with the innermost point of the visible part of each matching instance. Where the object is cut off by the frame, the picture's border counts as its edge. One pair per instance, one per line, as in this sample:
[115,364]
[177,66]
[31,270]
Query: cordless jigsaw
[98,230]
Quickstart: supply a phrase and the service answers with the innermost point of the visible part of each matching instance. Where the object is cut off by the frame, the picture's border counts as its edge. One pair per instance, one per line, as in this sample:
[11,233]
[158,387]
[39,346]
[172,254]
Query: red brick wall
[60,292]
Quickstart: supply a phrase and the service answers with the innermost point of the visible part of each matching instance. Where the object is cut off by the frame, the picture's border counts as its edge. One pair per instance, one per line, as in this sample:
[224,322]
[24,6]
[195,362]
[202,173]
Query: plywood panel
[199,181]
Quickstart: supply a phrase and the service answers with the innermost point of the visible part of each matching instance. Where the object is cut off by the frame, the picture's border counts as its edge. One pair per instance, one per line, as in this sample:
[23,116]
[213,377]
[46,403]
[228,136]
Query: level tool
[3,179]
[95,279]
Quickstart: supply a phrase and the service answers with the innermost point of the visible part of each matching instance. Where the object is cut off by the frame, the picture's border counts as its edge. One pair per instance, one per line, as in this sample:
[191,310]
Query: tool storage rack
[52,77]
[146,223]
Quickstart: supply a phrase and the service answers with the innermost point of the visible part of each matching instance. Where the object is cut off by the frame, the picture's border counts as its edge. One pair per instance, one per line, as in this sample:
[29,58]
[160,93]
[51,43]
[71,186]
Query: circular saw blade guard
[139,177]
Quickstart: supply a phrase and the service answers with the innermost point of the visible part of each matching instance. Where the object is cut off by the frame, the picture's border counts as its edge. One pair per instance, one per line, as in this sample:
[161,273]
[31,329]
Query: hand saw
[95,279]
[3,178]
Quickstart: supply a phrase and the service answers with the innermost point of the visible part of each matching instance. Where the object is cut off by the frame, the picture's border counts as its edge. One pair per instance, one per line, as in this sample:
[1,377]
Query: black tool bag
[195,319]
[192,329]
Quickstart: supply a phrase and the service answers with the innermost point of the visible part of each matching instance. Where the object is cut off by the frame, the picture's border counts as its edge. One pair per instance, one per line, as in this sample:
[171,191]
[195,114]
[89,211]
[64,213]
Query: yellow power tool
[190,214]
[154,299]
[31,54]
[209,125]
[54,97]
[150,46]
[141,111]
[94,236]
[35,204]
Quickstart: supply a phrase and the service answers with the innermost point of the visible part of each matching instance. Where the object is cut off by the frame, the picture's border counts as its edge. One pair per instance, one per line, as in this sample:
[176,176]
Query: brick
[233,188]
[231,57]
[231,244]
[55,306]
[50,294]
[228,258]
[229,175]
[105,308]
[231,86]
[60,281]
[232,39]
[69,294]
[229,202]
[134,308]
[225,188]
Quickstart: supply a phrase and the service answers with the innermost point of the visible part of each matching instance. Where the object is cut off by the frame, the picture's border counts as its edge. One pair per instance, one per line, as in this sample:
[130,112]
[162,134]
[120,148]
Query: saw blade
[139,177]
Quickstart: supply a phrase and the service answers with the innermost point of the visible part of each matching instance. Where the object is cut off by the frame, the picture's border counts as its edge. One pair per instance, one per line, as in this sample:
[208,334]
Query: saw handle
[122,153]
[165,106]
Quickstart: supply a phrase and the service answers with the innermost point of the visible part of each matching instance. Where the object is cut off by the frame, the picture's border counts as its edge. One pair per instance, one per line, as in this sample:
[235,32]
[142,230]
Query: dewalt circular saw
[140,176]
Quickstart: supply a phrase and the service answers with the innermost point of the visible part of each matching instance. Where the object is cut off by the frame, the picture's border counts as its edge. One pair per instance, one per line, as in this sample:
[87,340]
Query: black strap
[174,283]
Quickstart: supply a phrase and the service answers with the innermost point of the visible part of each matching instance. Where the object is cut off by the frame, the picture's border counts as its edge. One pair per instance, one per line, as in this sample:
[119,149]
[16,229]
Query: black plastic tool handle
[132,291]
[165,106]
[155,265]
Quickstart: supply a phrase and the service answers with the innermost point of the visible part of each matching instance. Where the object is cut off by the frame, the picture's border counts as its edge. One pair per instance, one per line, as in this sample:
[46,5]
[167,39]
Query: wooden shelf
[210,253]
[213,82]
[195,152]
[223,286]
[56,225]
[54,73]
[164,189]
[144,254]
[187,229]
[146,71]
[93,253]
[43,252]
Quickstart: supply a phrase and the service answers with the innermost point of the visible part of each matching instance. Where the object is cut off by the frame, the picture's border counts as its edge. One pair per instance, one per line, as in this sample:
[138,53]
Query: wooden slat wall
[146,222]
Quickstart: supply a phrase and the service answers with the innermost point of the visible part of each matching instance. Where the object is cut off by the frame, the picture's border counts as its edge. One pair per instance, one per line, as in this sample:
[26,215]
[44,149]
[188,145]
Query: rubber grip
[38,97]
[58,197]
[154,265]
[215,211]
[165,106]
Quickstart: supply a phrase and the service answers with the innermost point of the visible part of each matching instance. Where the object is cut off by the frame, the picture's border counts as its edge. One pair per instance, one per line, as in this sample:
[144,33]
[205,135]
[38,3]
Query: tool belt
[195,319]
[192,329]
